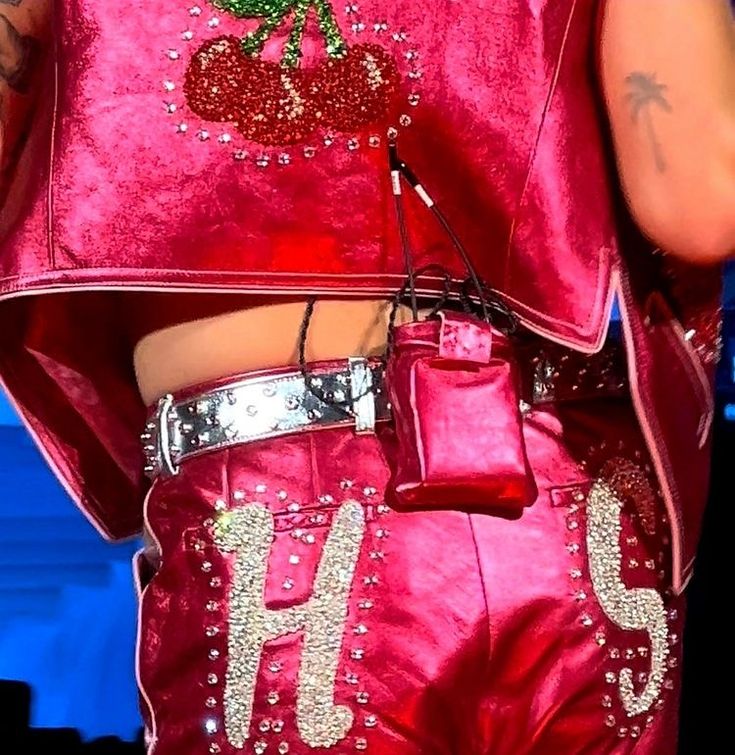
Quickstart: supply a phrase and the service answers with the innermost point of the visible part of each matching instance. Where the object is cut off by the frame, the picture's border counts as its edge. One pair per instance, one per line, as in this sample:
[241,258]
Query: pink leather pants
[293,612]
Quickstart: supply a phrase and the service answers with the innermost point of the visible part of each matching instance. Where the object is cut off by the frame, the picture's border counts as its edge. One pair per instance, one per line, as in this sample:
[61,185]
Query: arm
[23,27]
[668,76]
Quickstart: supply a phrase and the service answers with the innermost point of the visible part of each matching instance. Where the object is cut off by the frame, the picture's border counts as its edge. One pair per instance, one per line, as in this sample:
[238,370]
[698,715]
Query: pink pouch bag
[454,392]
[453,385]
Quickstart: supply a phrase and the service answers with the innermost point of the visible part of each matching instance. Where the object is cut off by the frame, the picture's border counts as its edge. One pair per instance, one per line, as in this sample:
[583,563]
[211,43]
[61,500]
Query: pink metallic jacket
[239,145]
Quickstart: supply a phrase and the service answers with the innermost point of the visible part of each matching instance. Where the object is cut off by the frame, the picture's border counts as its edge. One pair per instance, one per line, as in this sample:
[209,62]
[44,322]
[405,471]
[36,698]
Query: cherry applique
[266,102]
[218,77]
[358,89]
[282,103]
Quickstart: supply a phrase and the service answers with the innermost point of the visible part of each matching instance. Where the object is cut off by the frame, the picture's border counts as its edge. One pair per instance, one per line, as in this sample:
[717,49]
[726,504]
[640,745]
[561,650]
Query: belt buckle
[162,442]
[363,395]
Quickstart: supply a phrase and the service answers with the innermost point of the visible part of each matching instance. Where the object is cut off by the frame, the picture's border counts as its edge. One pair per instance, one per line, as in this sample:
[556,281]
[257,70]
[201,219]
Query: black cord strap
[488,299]
[490,303]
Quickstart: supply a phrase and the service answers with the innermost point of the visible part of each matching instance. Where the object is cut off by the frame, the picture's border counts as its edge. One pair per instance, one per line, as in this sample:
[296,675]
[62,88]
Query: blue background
[67,605]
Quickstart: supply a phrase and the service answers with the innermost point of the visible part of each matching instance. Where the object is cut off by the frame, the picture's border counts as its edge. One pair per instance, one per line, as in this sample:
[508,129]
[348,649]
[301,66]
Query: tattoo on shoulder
[643,95]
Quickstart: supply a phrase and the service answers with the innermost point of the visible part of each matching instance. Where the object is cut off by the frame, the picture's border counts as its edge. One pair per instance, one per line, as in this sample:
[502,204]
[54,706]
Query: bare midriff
[260,337]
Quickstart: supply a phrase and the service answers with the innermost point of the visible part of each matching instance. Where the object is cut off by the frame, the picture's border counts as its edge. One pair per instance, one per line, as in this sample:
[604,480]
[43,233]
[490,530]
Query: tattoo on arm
[18,53]
[643,94]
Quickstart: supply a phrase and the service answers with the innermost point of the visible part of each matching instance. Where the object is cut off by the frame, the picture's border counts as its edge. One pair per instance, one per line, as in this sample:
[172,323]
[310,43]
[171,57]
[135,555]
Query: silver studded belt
[268,405]
[259,407]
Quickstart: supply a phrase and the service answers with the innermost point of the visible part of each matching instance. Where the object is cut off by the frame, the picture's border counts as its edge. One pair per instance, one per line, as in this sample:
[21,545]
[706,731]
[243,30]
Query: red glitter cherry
[274,106]
[214,79]
[358,89]
[266,102]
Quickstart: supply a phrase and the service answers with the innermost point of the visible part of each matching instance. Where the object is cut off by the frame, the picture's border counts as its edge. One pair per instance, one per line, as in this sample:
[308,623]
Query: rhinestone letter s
[630,608]
[248,532]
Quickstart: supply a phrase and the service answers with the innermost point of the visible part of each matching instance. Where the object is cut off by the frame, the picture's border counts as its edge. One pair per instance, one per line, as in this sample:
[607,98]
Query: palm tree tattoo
[644,93]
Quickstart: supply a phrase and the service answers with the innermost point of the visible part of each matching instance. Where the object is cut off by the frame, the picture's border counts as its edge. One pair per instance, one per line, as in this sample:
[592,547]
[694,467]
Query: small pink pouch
[453,386]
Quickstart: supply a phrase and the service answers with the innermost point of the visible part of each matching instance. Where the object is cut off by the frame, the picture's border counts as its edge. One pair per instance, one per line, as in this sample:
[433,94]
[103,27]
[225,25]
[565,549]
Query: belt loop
[163,439]
[363,395]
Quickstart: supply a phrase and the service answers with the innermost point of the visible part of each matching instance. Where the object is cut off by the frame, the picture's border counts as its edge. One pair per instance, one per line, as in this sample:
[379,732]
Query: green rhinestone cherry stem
[336,45]
[254,42]
[253,8]
[274,12]
[292,48]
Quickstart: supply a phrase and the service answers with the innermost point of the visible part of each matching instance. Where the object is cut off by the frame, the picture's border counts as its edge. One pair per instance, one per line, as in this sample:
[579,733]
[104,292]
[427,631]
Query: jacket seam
[537,141]
[50,241]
